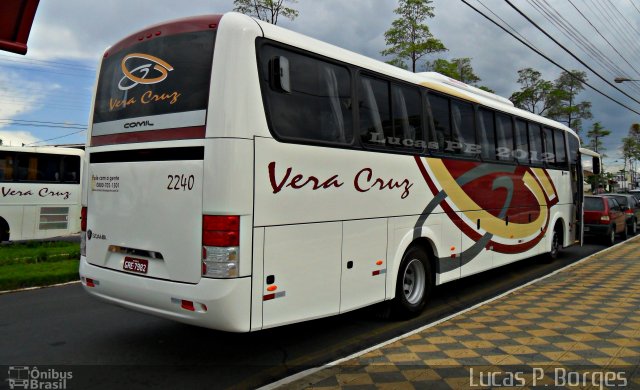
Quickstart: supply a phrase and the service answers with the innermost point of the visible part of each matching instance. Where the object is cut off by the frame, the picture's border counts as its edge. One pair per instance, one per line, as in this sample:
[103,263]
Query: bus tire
[414,283]
[4,230]
[556,243]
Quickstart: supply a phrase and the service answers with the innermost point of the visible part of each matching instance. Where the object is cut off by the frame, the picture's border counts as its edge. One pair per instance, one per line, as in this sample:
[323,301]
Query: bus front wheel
[414,284]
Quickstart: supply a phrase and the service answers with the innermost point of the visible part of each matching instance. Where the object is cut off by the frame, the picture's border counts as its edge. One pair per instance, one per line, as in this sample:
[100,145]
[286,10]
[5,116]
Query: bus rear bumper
[221,304]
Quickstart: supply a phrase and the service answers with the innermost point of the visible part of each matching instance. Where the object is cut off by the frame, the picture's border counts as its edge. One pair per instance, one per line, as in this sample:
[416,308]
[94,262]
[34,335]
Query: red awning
[16,18]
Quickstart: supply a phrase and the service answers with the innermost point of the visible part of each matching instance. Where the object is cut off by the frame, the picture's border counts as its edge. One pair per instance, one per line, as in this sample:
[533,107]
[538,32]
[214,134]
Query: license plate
[586,228]
[135,265]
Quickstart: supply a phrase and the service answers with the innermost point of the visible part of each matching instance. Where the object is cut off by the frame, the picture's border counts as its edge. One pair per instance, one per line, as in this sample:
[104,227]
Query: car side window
[614,205]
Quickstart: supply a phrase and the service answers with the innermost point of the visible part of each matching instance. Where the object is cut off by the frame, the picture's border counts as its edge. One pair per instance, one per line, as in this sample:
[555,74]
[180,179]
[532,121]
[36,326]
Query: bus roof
[43,149]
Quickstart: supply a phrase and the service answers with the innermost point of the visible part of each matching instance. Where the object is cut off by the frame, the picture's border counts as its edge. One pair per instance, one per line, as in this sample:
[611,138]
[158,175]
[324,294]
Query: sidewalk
[579,328]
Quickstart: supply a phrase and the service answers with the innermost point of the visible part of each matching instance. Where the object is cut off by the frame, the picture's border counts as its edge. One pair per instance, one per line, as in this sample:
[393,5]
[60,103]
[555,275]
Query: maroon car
[604,218]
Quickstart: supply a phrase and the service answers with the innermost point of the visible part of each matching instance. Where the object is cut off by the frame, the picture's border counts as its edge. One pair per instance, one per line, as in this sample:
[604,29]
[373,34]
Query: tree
[595,136]
[631,151]
[536,94]
[564,107]
[409,37]
[267,10]
[459,69]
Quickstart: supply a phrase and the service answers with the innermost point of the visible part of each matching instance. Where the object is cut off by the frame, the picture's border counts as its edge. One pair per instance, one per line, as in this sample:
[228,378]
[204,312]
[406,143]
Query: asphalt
[576,328]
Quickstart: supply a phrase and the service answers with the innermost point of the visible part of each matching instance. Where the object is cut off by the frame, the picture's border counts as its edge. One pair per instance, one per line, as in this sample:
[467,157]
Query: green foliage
[459,69]
[595,135]
[409,37]
[556,100]
[38,251]
[398,62]
[535,95]
[40,274]
[565,108]
[38,263]
[267,10]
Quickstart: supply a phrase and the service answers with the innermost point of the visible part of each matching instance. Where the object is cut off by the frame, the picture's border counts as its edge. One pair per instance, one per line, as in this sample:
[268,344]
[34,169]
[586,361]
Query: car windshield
[593,204]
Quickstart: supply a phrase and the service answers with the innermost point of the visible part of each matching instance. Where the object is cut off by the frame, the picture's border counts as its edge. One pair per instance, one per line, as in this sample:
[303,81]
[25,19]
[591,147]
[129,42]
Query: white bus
[243,176]
[40,192]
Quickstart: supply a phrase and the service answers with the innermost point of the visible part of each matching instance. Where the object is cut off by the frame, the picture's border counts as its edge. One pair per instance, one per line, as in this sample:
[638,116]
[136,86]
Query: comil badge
[149,73]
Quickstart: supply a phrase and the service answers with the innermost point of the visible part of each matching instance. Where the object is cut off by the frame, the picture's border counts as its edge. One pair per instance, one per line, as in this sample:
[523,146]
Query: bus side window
[71,169]
[308,99]
[561,152]
[573,149]
[432,141]
[463,130]
[549,155]
[441,122]
[504,138]
[407,115]
[486,135]
[535,144]
[521,152]
[6,166]
[375,113]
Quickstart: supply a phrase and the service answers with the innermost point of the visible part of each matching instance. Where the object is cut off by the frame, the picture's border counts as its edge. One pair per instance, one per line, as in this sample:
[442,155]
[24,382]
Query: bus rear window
[162,83]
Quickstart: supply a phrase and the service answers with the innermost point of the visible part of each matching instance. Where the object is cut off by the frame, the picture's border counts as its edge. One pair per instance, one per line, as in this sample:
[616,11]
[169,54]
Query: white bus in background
[243,177]
[40,192]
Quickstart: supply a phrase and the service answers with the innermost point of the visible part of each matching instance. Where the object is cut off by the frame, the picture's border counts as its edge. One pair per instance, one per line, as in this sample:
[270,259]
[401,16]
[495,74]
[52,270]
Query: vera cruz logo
[152,72]
[513,202]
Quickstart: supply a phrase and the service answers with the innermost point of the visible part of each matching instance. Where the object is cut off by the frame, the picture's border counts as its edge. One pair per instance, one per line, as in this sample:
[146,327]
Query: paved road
[66,328]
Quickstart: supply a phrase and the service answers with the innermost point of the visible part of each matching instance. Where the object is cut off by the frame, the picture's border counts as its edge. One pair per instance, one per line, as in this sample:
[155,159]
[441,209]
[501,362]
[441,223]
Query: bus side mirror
[280,78]
[596,165]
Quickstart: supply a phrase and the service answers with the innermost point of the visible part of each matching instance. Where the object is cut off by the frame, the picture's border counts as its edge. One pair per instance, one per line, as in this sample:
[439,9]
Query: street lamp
[622,80]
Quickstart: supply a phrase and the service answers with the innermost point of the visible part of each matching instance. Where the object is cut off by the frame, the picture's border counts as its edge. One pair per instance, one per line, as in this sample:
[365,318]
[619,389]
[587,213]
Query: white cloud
[17,138]
[17,96]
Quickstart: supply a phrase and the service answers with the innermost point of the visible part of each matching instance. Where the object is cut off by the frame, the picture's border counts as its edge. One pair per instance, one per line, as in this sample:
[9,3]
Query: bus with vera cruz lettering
[243,177]
[40,192]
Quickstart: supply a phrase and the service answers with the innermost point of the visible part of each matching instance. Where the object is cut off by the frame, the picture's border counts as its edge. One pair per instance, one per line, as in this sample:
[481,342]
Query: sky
[45,96]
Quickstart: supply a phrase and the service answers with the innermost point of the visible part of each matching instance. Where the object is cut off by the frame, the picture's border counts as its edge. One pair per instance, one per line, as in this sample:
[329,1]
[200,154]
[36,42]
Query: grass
[38,263]
[37,274]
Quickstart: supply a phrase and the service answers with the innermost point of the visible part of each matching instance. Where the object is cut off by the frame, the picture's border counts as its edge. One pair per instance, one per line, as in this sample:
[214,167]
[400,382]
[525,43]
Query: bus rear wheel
[414,284]
[4,230]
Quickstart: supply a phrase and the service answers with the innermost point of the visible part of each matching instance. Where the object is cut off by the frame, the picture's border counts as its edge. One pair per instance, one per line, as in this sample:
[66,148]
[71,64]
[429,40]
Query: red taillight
[187,305]
[221,230]
[83,219]
[629,211]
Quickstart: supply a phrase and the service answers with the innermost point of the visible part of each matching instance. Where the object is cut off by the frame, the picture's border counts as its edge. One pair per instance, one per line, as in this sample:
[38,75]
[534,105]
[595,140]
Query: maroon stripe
[149,136]
[199,23]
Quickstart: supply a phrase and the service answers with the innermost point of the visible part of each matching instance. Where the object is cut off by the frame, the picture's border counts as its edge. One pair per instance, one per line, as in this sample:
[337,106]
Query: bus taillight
[83,219]
[83,231]
[220,246]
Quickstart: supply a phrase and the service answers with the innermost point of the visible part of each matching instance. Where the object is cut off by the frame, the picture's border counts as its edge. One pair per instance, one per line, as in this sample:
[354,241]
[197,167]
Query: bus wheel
[555,245]
[414,283]
[4,230]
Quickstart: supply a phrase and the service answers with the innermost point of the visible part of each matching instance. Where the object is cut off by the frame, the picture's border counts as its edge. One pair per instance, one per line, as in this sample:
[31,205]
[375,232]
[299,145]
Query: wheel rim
[413,282]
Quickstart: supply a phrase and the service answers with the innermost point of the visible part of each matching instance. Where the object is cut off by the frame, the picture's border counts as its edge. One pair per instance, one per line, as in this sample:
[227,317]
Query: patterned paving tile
[583,319]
